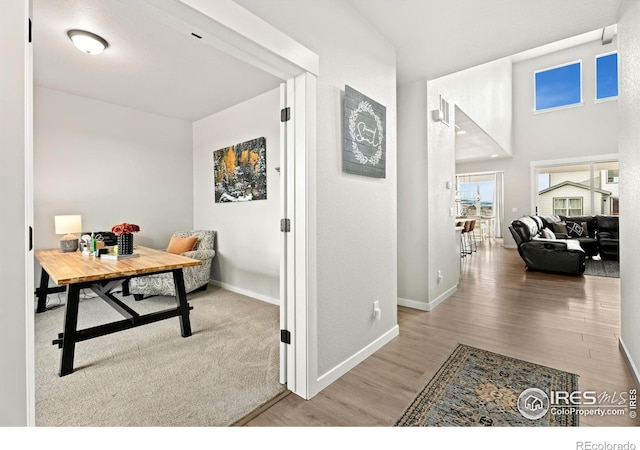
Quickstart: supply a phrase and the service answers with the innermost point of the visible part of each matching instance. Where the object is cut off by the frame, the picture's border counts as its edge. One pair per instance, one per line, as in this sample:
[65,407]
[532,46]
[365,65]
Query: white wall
[354,254]
[585,131]
[413,189]
[426,234]
[629,141]
[443,255]
[484,93]
[248,233]
[14,383]
[111,165]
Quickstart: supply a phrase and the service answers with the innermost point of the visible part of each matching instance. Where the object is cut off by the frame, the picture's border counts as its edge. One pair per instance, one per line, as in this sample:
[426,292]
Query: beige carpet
[151,376]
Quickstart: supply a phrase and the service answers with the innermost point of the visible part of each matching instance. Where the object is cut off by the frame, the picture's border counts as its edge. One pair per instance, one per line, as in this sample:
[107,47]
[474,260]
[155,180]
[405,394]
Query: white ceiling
[435,38]
[472,143]
[151,66]
[148,65]
[438,37]
[475,144]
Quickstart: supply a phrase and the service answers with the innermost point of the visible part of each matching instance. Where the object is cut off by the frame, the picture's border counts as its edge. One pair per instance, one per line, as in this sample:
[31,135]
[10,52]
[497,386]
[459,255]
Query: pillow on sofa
[550,220]
[576,229]
[559,227]
[179,245]
[548,234]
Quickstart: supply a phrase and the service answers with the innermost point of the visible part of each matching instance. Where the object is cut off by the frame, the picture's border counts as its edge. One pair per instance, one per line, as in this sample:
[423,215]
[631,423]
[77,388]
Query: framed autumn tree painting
[240,172]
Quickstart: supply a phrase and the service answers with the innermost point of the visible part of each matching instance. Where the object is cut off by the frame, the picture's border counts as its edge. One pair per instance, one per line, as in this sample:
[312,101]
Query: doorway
[299,79]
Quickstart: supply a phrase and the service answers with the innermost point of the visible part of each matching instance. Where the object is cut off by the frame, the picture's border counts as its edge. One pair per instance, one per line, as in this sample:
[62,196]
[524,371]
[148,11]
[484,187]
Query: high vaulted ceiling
[434,38]
[438,37]
[153,67]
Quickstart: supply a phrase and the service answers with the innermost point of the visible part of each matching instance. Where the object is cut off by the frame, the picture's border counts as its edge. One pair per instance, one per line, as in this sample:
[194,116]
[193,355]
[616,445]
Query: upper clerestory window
[558,86]
[607,76]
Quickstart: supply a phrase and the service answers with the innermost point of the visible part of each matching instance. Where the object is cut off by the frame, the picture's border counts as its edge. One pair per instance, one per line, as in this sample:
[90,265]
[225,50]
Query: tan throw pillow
[559,227]
[179,245]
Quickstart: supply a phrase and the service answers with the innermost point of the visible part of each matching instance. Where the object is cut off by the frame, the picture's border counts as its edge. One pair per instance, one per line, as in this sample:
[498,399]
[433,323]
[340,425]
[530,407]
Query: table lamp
[68,225]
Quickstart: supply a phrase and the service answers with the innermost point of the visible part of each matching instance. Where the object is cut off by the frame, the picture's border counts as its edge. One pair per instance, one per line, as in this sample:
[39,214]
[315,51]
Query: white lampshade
[68,224]
[87,42]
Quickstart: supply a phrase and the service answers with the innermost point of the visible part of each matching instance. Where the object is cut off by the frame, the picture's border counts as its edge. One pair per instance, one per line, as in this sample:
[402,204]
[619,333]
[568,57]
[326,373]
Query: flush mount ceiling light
[87,42]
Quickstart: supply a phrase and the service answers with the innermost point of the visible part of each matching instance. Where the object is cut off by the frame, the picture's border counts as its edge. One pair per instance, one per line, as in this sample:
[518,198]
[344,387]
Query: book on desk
[114,257]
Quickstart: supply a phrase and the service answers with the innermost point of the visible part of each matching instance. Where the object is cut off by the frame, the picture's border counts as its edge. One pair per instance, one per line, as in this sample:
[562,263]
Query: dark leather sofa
[608,237]
[581,228]
[597,235]
[564,256]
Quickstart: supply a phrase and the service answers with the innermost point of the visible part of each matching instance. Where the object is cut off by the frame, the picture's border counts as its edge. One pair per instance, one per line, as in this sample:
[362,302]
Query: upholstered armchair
[195,278]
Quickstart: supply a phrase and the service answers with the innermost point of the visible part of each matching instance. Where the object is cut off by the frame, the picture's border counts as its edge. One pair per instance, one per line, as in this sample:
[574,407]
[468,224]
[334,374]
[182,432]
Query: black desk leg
[183,306]
[69,334]
[42,292]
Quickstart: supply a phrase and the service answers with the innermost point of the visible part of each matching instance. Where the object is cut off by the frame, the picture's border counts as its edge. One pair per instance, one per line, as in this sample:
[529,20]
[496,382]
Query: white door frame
[294,368]
[29,264]
[16,139]
[229,27]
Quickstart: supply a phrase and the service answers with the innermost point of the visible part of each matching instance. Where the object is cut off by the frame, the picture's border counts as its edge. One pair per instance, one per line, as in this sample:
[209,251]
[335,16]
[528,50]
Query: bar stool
[464,239]
[471,234]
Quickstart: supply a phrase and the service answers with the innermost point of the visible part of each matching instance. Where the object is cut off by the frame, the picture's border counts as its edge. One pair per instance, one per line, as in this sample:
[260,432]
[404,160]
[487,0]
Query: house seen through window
[578,189]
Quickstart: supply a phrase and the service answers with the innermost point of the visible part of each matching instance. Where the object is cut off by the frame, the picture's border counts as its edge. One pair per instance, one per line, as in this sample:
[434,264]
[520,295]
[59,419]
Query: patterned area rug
[479,388]
[602,268]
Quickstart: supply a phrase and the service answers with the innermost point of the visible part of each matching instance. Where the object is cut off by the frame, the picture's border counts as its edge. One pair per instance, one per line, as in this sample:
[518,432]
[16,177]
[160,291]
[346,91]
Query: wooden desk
[78,272]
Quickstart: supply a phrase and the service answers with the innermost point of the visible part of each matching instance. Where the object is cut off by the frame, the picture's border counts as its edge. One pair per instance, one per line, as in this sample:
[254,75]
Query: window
[607,76]
[475,194]
[580,188]
[567,206]
[558,86]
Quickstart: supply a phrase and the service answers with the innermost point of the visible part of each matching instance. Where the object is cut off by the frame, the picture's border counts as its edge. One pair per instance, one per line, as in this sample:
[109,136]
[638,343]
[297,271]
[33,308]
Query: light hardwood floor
[569,323]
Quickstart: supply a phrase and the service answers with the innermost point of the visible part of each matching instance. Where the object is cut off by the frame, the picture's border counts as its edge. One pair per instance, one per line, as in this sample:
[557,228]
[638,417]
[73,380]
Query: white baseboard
[632,367]
[415,304]
[248,293]
[344,367]
[427,306]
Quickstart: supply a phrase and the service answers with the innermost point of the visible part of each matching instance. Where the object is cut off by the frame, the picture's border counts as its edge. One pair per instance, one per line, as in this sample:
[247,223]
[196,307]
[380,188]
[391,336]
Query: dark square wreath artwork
[240,172]
[364,150]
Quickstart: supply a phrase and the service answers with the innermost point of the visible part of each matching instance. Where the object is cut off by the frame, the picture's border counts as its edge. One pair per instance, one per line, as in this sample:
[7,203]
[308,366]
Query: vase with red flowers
[124,235]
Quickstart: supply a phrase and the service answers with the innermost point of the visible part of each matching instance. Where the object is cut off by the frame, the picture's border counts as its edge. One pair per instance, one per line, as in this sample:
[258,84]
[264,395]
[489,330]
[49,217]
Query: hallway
[569,323]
